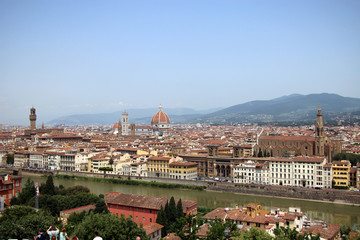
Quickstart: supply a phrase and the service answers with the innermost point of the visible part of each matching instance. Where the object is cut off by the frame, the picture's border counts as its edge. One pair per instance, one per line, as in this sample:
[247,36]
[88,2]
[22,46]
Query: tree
[162,220]
[254,234]
[26,194]
[172,210]
[10,158]
[24,221]
[49,187]
[352,157]
[100,207]
[217,229]
[105,169]
[188,227]
[179,209]
[286,233]
[109,227]
[111,161]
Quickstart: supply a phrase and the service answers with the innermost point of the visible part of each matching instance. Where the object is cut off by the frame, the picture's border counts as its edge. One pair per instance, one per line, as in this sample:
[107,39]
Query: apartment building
[341,173]
[251,172]
[183,170]
[298,171]
[158,167]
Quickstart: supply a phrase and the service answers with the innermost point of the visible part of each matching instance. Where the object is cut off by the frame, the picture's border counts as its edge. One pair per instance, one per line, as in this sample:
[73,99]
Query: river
[332,213]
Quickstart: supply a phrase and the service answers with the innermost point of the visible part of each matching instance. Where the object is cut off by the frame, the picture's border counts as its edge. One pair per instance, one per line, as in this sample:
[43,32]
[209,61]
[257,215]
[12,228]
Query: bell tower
[319,134]
[125,123]
[32,118]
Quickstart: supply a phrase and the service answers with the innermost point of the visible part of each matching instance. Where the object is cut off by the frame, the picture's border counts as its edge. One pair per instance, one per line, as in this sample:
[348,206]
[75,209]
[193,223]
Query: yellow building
[97,162]
[341,173]
[158,167]
[183,170]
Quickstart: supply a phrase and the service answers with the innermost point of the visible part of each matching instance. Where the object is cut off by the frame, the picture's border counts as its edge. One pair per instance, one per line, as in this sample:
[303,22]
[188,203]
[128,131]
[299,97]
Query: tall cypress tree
[167,211]
[49,186]
[162,220]
[179,209]
[172,210]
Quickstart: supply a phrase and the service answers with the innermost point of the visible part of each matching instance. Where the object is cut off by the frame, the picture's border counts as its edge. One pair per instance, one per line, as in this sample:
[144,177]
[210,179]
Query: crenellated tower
[32,118]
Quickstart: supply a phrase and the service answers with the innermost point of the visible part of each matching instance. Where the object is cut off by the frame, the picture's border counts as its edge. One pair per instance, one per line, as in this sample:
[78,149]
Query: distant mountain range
[295,107]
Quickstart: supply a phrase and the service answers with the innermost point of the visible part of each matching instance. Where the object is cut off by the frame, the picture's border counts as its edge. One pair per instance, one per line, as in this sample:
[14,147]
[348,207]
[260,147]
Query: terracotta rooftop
[142,201]
[152,227]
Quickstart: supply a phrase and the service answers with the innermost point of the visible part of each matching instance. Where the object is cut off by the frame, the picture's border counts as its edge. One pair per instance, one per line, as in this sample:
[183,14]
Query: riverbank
[325,195]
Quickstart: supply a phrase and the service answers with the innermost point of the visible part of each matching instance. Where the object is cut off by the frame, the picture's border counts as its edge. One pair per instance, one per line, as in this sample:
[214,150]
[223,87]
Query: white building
[297,171]
[36,160]
[251,173]
[139,169]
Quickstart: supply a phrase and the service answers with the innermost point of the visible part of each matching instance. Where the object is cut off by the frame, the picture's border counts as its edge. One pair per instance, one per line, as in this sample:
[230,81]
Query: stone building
[215,164]
[281,146]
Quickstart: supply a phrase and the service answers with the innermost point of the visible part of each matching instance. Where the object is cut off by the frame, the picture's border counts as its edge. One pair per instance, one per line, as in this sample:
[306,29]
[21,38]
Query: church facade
[282,146]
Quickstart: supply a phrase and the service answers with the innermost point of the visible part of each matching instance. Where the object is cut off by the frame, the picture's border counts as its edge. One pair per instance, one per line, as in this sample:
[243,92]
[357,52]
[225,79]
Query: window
[150,219]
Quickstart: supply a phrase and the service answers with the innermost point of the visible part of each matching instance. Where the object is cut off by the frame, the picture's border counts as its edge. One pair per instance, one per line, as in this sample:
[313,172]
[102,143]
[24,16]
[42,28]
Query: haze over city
[69,57]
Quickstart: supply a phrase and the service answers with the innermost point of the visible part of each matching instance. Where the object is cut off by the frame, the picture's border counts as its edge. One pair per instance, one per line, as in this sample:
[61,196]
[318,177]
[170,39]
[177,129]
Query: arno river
[332,213]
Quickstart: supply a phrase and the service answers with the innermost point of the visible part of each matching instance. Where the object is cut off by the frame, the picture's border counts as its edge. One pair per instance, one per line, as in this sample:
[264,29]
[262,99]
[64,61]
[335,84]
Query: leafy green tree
[352,157]
[10,158]
[24,221]
[286,233]
[179,209]
[100,207]
[109,227]
[49,187]
[217,229]
[26,194]
[58,203]
[188,227]
[254,234]
[106,169]
[111,162]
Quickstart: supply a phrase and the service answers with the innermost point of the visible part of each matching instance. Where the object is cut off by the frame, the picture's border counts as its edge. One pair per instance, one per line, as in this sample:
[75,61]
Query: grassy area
[131,182]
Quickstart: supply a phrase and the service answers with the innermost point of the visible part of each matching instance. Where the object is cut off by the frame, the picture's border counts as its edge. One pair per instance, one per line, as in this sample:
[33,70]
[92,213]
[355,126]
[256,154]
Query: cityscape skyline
[67,58]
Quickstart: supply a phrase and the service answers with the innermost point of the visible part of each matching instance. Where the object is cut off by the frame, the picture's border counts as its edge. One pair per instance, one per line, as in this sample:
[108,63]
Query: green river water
[332,213]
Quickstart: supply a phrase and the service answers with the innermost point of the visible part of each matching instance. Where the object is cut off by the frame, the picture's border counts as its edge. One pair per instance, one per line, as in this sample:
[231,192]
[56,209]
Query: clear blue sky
[73,56]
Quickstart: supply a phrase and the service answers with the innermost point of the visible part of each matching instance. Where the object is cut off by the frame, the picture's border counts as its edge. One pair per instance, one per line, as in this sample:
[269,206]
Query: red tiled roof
[79,209]
[152,227]
[142,201]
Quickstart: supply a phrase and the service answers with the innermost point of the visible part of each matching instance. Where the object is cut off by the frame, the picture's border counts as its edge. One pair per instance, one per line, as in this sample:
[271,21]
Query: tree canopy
[24,221]
[352,157]
[109,227]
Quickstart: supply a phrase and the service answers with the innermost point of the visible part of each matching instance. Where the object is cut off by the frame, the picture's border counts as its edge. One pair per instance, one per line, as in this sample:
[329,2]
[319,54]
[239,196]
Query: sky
[80,56]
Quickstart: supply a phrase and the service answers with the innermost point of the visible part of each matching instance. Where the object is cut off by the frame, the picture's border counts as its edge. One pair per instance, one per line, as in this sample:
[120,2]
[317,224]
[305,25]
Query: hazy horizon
[80,57]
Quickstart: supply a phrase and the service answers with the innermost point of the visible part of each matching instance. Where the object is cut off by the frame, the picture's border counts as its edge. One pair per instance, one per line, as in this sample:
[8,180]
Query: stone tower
[319,134]
[125,124]
[32,118]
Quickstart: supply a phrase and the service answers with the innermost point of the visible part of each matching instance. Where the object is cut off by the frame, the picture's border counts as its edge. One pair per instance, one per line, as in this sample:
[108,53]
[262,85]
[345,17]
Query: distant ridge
[295,107]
